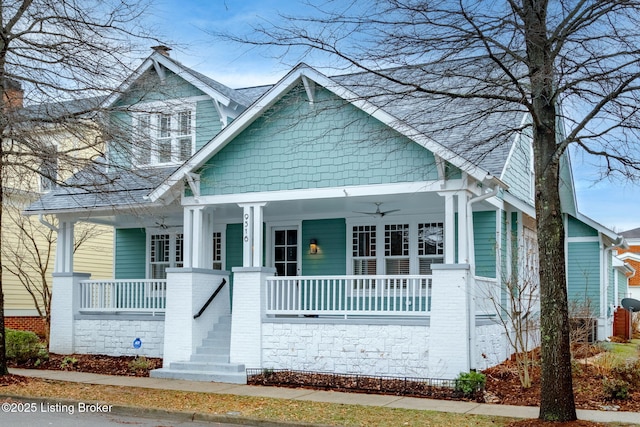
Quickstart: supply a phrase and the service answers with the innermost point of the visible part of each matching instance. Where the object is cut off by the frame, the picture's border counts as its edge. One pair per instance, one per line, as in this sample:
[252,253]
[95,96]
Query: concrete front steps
[210,361]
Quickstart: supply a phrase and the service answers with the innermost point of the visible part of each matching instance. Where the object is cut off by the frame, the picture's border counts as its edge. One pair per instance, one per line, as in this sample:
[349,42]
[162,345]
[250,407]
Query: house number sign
[246,228]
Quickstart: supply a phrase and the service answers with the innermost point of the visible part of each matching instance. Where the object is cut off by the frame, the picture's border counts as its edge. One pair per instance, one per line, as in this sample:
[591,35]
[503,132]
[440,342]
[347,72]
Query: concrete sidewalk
[323,396]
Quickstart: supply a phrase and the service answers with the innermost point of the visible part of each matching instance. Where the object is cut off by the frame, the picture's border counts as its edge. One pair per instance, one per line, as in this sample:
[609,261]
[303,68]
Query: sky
[184,24]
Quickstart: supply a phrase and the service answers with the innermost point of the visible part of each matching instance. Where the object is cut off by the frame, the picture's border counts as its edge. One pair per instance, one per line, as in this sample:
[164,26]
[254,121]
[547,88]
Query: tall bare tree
[540,55]
[57,58]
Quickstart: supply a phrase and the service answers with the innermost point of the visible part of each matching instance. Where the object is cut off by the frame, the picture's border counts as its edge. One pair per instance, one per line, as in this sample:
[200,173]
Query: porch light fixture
[313,246]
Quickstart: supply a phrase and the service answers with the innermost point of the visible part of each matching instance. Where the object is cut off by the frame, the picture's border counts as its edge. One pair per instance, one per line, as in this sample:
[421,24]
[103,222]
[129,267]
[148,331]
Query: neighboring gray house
[356,229]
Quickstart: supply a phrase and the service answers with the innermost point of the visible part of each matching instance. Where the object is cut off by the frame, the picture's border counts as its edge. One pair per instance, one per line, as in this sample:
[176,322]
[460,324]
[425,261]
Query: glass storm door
[285,251]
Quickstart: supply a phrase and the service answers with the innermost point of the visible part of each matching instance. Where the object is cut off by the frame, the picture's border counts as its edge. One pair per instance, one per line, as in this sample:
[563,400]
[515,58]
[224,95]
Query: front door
[285,251]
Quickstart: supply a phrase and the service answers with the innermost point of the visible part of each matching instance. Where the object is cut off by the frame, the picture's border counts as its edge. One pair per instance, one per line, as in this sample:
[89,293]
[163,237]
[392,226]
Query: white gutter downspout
[472,271]
[47,223]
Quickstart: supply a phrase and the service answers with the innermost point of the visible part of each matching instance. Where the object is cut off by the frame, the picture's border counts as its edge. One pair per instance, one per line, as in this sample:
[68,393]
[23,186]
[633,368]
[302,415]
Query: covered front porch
[302,265]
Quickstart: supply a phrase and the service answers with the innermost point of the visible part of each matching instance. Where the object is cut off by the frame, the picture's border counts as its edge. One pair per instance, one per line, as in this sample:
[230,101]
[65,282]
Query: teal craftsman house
[354,229]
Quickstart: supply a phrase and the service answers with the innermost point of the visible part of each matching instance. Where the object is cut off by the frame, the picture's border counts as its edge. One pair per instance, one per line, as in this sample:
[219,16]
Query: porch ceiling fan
[378,213]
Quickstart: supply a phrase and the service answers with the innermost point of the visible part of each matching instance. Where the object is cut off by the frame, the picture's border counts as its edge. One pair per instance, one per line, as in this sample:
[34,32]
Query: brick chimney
[12,94]
[162,50]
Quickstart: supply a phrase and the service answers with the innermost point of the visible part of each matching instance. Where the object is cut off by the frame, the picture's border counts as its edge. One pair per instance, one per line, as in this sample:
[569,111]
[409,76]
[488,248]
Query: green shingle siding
[149,88]
[207,122]
[331,258]
[131,253]
[583,274]
[296,145]
[517,173]
[119,151]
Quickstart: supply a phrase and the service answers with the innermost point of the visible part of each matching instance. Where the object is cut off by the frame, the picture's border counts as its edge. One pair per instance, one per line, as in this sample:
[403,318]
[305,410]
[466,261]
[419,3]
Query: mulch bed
[358,384]
[93,363]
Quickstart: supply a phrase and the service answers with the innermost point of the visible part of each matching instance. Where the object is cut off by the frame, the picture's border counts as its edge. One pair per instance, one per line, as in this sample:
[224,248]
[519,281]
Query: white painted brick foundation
[115,337]
[368,349]
[374,349]
[492,346]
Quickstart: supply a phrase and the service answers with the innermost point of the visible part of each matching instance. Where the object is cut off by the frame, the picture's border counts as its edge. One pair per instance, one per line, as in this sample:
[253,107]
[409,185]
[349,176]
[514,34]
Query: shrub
[140,363]
[469,383]
[23,346]
[628,372]
[615,389]
[68,362]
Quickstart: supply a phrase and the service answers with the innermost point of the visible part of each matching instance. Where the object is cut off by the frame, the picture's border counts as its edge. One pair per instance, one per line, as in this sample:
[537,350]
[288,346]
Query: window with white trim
[164,138]
[364,249]
[217,251]
[396,248]
[430,246]
[165,251]
[405,248]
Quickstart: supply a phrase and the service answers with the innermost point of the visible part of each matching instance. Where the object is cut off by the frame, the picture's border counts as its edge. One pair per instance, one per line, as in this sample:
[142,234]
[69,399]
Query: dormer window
[164,138]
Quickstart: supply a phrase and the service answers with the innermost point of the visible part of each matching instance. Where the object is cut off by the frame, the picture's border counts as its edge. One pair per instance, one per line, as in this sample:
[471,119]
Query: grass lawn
[257,408]
[626,351]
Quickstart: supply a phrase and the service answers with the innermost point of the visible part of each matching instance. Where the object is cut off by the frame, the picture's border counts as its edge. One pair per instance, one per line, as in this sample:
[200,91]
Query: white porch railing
[109,296]
[349,295]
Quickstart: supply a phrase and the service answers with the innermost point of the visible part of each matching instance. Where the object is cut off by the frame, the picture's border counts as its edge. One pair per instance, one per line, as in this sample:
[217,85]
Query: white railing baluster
[349,295]
[108,296]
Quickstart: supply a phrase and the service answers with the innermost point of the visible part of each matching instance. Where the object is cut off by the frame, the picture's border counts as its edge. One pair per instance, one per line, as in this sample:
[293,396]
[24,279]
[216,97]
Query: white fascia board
[599,227]
[222,99]
[85,213]
[520,205]
[634,241]
[629,255]
[622,266]
[124,86]
[161,59]
[279,90]
[324,193]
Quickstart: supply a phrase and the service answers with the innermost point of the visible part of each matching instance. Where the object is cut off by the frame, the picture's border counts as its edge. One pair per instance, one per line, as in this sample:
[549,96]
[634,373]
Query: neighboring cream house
[28,243]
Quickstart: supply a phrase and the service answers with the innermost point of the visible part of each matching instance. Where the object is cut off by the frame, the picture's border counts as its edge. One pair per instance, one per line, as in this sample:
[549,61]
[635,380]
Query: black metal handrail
[206,304]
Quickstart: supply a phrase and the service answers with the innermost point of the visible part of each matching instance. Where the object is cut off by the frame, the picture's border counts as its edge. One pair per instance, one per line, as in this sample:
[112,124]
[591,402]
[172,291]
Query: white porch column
[451,334]
[252,240]
[247,314]
[65,303]
[463,223]
[196,235]
[188,289]
[449,229]
[64,246]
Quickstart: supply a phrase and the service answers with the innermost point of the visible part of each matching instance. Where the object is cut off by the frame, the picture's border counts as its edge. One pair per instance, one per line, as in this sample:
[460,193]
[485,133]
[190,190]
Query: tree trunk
[556,402]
